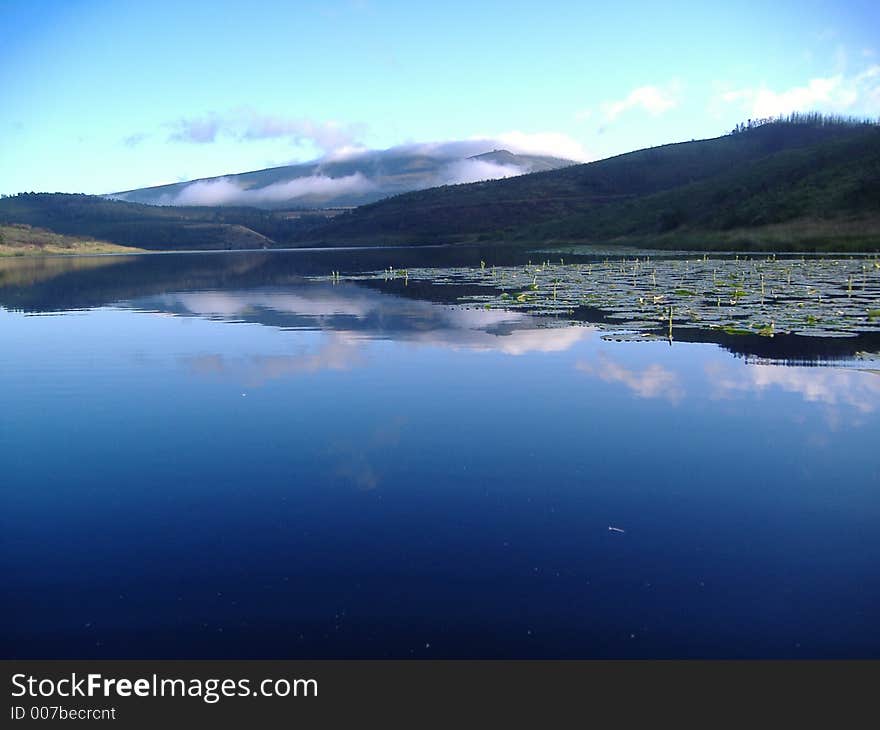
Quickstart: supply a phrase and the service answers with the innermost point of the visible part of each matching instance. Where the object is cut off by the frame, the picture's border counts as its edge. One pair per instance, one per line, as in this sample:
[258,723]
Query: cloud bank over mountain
[224,191]
[351,176]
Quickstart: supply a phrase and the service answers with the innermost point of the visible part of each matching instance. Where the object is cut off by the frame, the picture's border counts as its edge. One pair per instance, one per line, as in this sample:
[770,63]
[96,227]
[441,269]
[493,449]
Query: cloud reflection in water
[856,389]
[653,381]
[347,316]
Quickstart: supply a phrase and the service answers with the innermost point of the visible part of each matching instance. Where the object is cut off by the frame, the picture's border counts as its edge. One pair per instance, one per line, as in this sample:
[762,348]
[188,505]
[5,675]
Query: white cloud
[226,192]
[764,102]
[246,124]
[328,136]
[133,140]
[340,140]
[468,171]
[554,144]
[320,188]
[858,94]
[377,172]
[346,152]
[198,130]
[653,99]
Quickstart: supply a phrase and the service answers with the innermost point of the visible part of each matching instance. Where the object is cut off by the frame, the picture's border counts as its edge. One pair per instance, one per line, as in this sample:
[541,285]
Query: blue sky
[101,96]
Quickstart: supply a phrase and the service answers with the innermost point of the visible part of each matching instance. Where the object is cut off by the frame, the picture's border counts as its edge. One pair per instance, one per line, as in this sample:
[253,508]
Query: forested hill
[157,227]
[809,181]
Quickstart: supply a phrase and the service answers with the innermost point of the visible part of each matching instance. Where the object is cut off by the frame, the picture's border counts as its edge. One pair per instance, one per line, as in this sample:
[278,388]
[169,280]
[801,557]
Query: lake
[244,455]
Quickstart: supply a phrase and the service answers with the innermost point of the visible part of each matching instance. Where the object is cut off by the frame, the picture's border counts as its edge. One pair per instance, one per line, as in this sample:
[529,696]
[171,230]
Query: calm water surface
[214,455]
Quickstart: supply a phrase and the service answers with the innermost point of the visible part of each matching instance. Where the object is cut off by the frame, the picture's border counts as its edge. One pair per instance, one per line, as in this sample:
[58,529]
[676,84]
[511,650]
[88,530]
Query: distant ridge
[533,163]
[349,181]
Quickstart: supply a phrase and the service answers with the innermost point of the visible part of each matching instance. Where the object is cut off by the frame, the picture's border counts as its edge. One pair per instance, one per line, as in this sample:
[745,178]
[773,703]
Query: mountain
[528,163]
[804,182]
[347,181]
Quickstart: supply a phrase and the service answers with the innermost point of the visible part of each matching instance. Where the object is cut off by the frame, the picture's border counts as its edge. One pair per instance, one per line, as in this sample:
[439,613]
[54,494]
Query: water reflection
[26,271]
[857,389]
[344,318]
[357,461]
[854,390]
[652,381]
[353,313]
[276,288]
[847,395]
[334,352]
[229,459]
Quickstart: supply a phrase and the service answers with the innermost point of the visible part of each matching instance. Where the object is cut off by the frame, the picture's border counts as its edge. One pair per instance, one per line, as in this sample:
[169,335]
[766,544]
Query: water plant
[805,295]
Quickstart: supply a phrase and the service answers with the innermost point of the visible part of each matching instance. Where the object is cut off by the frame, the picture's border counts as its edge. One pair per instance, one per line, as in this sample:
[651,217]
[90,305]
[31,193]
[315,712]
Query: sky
[99,96]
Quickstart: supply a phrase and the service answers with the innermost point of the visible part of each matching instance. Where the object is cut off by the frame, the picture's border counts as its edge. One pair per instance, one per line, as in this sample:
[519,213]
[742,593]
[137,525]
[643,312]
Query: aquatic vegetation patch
[821,296]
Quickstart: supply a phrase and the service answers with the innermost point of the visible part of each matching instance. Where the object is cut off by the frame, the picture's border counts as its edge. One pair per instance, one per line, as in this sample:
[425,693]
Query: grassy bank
[24,240]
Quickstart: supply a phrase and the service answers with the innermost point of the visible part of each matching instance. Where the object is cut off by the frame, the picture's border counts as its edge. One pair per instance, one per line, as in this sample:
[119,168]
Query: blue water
[225,464]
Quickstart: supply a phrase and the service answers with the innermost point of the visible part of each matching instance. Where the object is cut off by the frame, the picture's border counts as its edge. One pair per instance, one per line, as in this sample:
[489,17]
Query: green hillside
[767,184]
[156,227]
